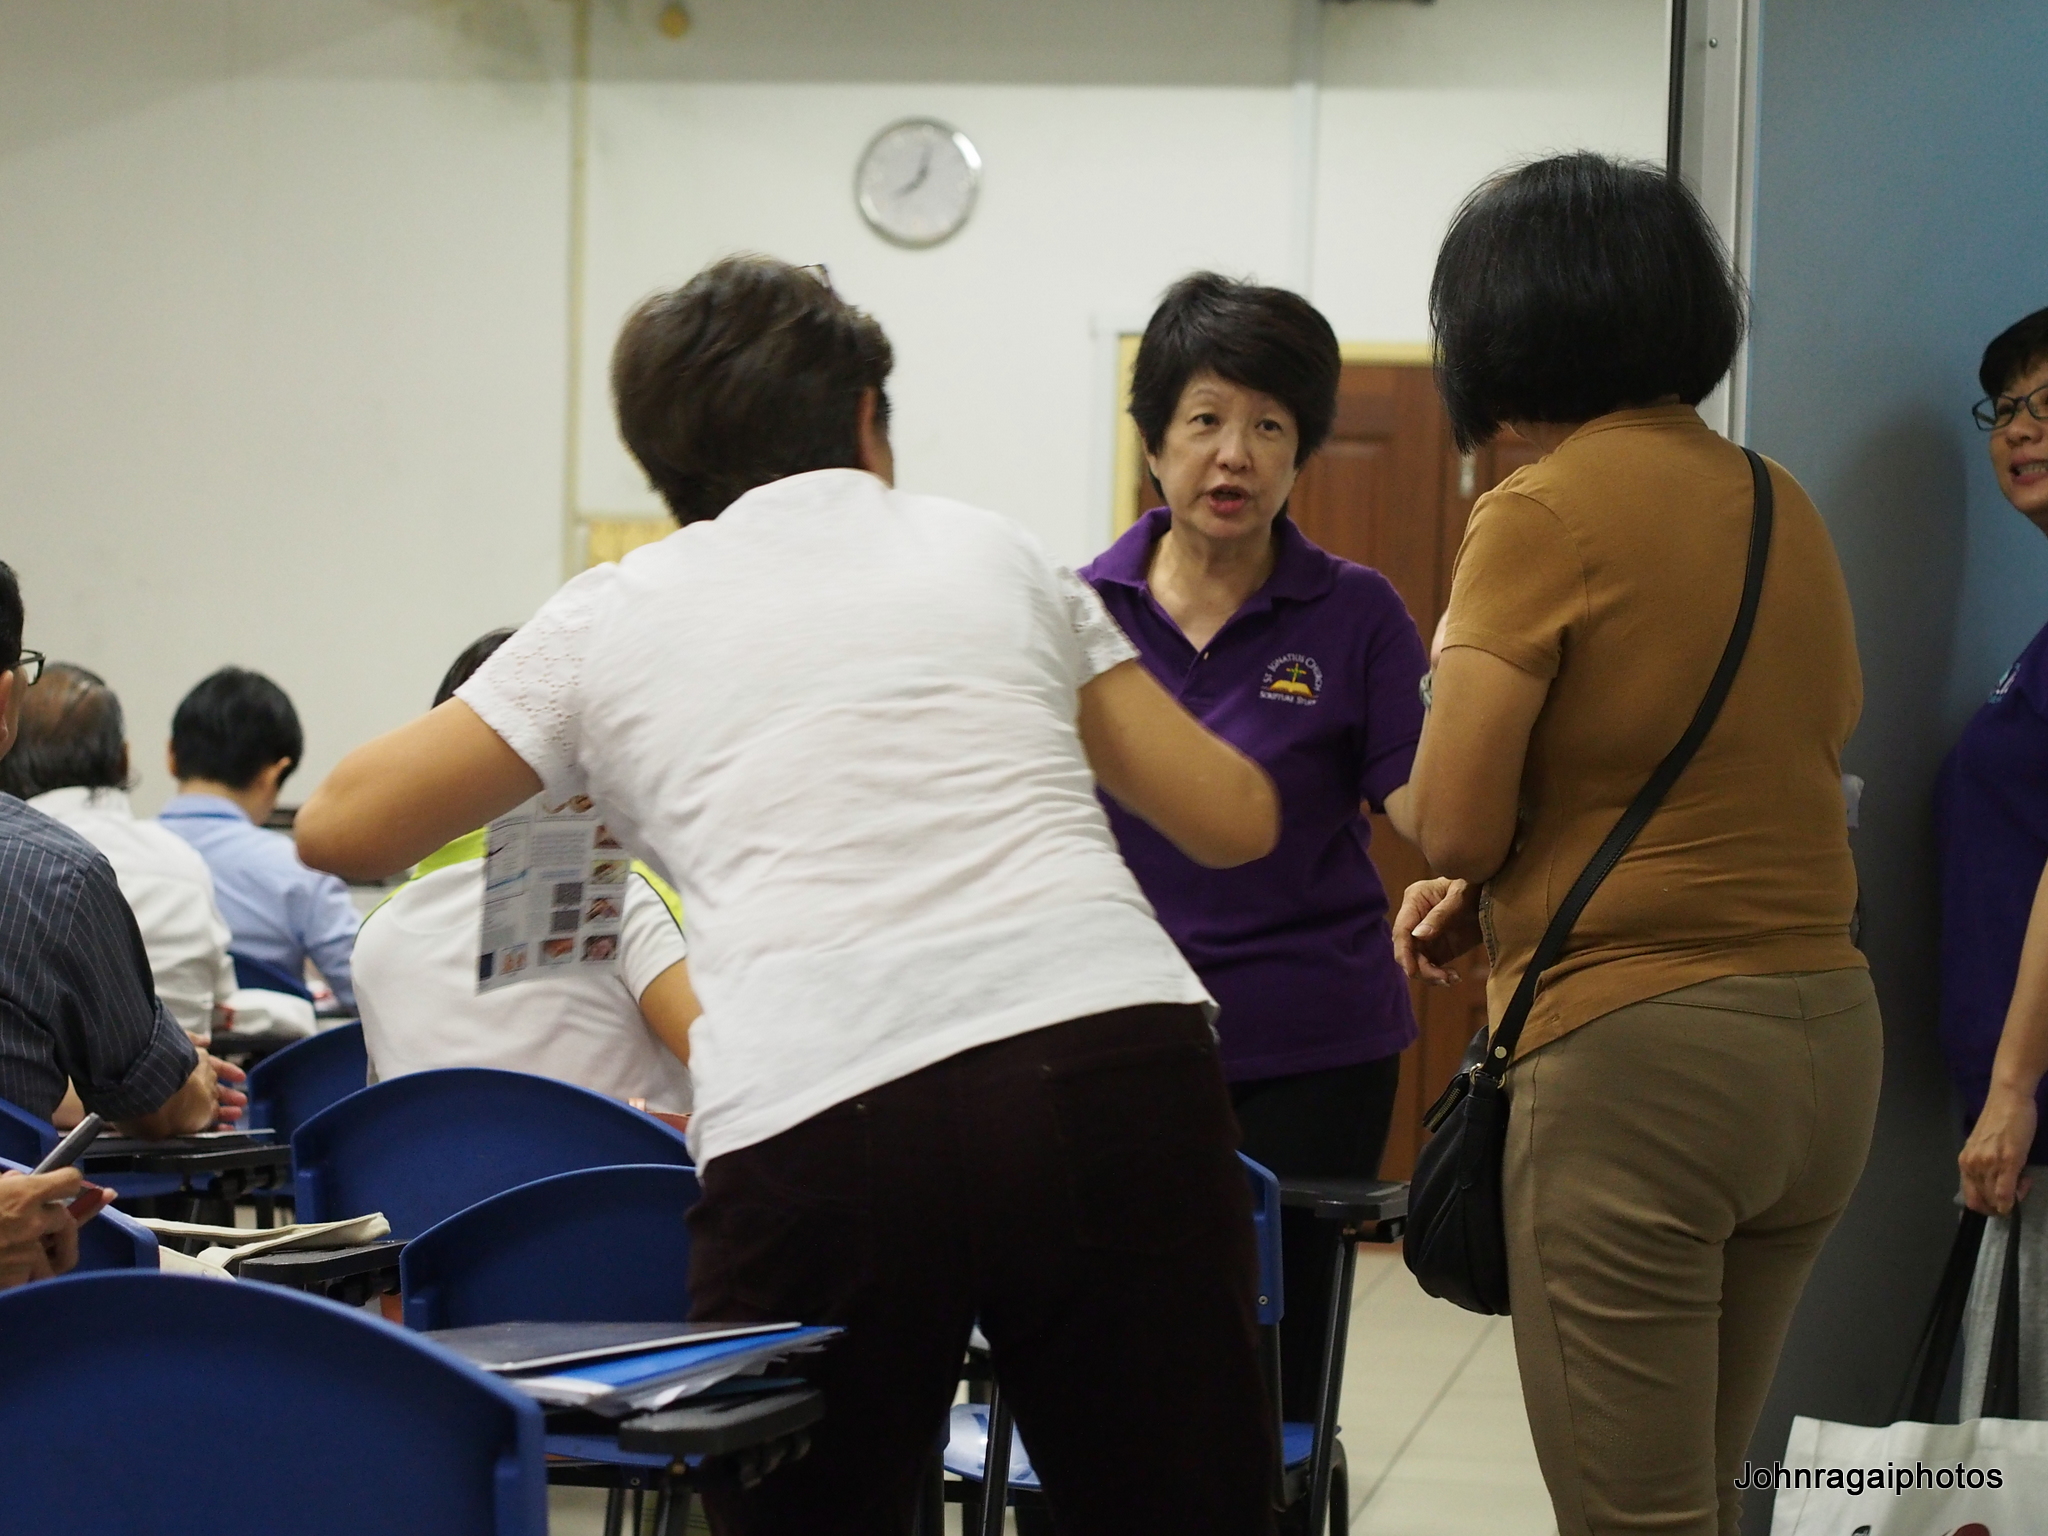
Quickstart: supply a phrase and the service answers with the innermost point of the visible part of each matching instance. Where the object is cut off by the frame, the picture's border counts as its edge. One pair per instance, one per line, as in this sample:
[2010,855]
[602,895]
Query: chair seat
[967,1449]
[1297,1443]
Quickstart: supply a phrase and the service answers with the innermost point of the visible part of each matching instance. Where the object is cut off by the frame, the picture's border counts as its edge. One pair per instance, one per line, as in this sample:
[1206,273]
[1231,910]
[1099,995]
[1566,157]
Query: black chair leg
[931,1495]
[615,1512]
[1333,1387]
[995,1475]
[1340,1496]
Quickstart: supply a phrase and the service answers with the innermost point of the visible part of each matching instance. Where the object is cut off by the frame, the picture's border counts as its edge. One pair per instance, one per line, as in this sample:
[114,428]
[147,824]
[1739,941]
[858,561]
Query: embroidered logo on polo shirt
[1292,679]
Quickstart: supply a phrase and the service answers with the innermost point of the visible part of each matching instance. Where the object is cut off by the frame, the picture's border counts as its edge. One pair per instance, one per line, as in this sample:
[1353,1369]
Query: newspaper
[554,894]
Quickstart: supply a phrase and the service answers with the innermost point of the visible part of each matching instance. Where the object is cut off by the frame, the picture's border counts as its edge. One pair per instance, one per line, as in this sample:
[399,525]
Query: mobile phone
[72,1147]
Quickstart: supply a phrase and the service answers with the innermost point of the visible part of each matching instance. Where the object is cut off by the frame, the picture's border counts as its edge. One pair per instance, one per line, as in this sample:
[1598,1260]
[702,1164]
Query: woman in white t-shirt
[618,1031]
[949,1067]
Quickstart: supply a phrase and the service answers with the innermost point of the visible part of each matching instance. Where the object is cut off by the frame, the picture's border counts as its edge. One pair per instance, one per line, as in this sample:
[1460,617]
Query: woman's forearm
[393,801]
[2022,1057]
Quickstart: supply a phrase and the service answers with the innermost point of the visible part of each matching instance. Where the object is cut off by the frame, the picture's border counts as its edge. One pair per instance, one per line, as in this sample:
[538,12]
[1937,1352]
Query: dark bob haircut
[463,668]
[71,736]
[750,372]
[1265,339]
[2013,353]
[1575,286]
[232,726]
[11,619]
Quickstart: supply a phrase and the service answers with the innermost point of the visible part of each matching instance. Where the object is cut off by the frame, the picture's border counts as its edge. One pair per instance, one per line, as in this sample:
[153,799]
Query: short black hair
[72,735]
[11,618]
[463,668]
[750,372]
[2013,353]
[232,726]
[1575,286]
[1265,339]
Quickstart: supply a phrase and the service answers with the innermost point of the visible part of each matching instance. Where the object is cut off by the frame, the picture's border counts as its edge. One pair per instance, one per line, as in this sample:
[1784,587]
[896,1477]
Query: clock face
[916,182]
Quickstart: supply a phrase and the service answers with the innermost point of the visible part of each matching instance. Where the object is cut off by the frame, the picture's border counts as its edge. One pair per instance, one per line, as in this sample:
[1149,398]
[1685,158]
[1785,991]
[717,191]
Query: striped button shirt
[76,1000]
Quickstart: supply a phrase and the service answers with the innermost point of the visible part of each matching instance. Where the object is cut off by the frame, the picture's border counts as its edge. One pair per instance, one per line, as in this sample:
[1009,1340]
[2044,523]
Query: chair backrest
[24,1138]
[268,977]
[110,1240]
[382,1431]
[1266,1232]
[293,1085]
[599,1245]
[423,1146]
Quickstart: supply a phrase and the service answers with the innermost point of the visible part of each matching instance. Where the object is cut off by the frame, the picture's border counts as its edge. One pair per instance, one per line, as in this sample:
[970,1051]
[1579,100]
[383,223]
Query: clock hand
[924,169]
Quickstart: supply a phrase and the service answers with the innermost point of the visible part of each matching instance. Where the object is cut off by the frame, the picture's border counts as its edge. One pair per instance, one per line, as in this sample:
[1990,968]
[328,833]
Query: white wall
[1123,145]
[281,342]
[283,368]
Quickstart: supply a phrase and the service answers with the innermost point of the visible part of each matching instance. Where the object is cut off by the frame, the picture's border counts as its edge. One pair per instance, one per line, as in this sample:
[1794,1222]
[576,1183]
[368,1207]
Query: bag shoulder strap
[1502,1050]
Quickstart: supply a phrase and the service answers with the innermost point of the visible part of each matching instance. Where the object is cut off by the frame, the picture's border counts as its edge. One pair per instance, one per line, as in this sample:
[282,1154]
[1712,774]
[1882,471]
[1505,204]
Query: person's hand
[1993,1161]
[1438,921]
[33,1206]
[231,1100]
[22,1262]
[39,1219]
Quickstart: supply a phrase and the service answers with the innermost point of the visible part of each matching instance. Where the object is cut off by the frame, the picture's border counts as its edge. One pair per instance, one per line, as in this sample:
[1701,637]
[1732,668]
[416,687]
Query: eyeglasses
[1994,411]
[32,663]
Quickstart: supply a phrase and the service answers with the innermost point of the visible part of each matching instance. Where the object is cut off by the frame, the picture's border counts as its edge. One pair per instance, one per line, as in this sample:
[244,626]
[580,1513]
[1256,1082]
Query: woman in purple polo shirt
[1991,814]
[1310,665]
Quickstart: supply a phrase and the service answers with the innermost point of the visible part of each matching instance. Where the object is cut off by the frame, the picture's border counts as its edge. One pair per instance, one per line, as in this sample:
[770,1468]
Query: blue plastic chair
[25,1139]
[110,1240]
[598,1245]
[421,1147]
[382,1431]
[606,1245]
[293,1085]
[251,972]
[966,1454]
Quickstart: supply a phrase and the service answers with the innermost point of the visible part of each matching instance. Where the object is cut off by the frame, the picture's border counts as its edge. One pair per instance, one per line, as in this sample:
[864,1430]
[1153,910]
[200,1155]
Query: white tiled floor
[1432,1421]
[1432,1416]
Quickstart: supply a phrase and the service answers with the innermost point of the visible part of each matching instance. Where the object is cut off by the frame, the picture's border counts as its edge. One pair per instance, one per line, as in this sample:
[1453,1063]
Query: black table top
[250,1150]
[722,1424]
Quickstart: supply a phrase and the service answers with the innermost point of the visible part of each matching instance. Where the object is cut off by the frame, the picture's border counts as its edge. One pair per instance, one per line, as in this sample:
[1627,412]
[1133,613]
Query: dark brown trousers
[1076,1191]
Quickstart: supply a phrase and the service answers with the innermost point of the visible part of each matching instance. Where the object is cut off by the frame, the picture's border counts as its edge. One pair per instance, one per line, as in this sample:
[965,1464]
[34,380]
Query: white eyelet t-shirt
[840,719]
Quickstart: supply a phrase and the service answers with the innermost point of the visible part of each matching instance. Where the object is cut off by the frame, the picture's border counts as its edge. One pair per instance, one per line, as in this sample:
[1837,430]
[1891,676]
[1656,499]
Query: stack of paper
[616,1369]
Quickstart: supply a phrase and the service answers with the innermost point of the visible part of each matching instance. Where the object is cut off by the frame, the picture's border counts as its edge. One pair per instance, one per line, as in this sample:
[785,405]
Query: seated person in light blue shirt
[234,741]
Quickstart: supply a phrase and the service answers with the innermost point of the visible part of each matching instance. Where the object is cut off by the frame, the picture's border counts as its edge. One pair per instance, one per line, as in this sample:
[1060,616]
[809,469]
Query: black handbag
[1456,1239]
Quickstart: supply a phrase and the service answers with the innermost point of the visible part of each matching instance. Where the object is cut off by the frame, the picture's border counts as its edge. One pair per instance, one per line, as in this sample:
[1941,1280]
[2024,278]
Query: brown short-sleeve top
[1613,567]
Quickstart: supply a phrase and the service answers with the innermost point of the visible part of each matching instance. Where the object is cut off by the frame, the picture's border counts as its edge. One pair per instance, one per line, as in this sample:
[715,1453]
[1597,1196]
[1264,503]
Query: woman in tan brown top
[1693,1095]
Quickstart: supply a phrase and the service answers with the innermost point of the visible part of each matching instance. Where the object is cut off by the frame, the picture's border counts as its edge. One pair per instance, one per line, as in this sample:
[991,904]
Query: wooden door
[1390,490]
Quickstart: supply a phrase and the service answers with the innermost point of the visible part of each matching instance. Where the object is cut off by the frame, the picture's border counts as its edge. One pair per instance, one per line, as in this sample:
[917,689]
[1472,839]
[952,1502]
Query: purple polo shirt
[1315,677]
[1991,826]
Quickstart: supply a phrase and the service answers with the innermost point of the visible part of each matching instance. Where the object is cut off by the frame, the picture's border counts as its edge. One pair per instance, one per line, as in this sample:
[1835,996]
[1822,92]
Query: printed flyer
[554,893]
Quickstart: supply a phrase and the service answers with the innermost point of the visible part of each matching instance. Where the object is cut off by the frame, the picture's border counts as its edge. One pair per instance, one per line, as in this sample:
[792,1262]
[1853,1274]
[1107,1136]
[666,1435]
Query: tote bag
[1987,1476]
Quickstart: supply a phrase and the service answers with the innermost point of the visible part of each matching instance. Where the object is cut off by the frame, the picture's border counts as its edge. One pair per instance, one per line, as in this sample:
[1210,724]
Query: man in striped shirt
[77,1004]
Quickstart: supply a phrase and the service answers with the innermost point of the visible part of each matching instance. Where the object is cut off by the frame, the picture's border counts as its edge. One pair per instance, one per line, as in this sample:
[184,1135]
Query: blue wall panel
[1901,221]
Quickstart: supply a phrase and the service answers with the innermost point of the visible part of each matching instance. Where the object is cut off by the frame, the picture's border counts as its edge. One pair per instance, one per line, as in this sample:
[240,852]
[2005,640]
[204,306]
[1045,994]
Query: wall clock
[916,182]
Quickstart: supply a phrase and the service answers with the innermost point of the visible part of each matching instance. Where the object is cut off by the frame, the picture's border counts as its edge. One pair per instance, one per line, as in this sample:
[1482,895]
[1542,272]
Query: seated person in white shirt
[623,1032]
[71,762]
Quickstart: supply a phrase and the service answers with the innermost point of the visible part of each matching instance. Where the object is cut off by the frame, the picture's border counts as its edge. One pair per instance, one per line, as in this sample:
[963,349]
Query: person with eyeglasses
[77,1003]
[1991,820]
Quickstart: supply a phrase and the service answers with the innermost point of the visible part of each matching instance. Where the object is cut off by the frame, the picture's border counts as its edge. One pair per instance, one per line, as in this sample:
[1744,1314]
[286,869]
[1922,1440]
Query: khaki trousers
[1672,1170]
